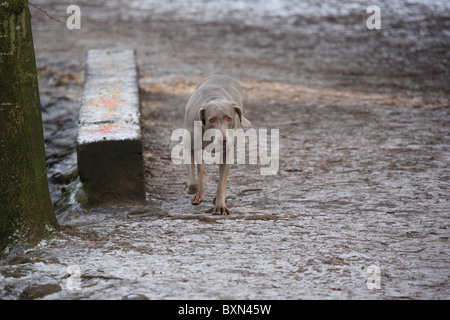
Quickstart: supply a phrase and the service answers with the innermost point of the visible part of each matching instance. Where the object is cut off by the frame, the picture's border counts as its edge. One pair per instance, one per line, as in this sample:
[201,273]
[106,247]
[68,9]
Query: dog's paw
[198,198]
[221,210]
[192,188]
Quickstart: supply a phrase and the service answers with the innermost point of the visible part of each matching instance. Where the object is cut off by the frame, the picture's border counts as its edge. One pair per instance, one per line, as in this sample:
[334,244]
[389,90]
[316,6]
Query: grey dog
[217,103]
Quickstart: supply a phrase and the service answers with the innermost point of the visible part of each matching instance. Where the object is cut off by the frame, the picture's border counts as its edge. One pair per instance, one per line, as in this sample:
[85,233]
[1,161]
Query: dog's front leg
[219,203]
[192,182]
[201,173]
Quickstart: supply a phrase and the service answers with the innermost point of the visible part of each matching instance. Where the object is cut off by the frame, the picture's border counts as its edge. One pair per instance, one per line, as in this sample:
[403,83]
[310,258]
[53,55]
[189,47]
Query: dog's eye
[227,119]
[212,120]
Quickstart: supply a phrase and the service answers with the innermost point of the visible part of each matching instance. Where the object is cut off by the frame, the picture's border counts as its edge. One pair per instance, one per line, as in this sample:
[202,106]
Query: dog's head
[222,115]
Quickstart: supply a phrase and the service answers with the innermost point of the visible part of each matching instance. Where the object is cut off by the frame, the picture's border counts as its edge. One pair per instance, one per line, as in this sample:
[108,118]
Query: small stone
[135,297]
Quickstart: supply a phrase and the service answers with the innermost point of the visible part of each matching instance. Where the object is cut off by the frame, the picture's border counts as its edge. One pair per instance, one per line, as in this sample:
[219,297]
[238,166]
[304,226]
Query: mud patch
[39,291]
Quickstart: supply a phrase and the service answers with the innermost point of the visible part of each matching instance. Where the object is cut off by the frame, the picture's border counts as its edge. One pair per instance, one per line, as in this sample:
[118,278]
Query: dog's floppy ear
[245,122]
[201,115]
[241,118]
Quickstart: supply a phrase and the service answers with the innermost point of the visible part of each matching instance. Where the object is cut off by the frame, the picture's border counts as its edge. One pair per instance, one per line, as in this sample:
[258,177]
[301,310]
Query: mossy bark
[26,213]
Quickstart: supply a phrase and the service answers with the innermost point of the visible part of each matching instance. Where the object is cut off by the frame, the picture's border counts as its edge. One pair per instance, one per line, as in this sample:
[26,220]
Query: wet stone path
[364,157]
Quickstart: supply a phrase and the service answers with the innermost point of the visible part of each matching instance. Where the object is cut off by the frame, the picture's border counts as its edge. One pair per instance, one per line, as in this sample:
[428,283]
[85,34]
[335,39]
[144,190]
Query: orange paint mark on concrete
[104,130]
[107,103]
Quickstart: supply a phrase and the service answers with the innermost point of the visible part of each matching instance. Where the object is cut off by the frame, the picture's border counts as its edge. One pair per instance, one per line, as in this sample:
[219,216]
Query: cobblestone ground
[363,176]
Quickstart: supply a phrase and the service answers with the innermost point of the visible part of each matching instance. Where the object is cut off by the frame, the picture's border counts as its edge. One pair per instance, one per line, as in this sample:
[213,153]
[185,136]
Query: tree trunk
[26,213]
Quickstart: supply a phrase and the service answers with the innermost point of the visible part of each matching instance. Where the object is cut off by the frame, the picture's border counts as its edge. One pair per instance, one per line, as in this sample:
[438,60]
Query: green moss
[12,33]
[15,6]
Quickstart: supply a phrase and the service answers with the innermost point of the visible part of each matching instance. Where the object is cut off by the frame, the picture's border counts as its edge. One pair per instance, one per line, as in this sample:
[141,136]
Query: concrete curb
[109,144]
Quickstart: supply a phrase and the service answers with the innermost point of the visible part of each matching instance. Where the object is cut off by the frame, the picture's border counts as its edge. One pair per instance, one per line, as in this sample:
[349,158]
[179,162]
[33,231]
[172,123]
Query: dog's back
[226,83]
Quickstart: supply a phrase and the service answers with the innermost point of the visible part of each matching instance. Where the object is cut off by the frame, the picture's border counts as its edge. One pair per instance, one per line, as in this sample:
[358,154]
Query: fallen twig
[45,12]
